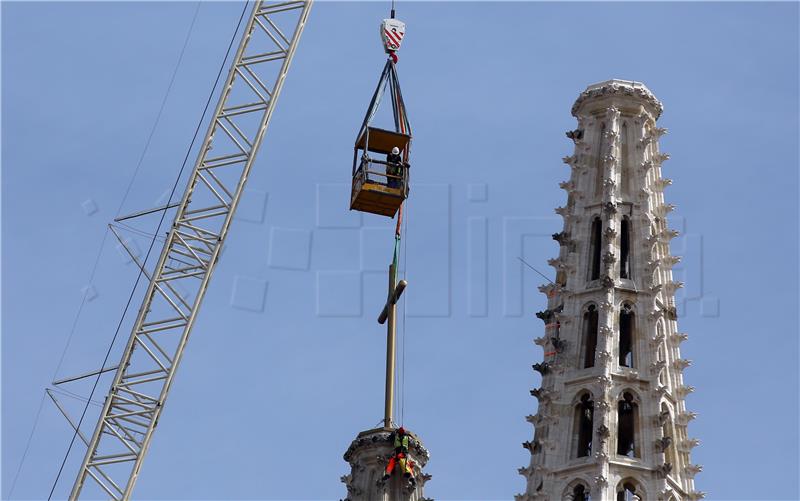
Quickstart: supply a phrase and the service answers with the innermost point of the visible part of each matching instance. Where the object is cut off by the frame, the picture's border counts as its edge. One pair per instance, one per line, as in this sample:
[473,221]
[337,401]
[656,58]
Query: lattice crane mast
[178,282]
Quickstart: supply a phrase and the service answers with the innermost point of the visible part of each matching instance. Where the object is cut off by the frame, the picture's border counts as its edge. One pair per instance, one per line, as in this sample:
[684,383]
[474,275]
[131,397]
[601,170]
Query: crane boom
[179,280]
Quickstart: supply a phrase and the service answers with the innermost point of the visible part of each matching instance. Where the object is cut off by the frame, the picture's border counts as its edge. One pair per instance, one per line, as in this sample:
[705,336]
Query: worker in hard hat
[394,167]
[400,456]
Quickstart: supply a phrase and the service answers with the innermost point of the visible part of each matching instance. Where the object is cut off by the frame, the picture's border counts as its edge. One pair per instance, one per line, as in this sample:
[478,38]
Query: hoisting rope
[401,122]
[403,126]
[392,54]
[376,100]
[403,331]
[388,77]
[398,380]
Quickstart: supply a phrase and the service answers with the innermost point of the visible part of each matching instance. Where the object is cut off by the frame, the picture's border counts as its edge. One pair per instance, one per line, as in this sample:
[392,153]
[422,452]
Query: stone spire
[368,455]
[611,421]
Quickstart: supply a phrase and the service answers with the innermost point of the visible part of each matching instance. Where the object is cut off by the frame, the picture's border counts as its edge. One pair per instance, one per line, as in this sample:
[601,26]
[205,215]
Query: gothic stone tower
[611,421]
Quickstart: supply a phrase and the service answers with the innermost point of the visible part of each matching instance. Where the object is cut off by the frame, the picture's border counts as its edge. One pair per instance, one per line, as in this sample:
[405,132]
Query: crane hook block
[392,32]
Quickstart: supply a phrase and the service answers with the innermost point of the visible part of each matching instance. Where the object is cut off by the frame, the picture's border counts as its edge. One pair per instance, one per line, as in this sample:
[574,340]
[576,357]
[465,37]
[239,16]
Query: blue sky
[285,364]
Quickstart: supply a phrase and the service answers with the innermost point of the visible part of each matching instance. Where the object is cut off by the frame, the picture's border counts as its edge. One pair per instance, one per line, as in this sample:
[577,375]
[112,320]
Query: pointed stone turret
[368,456]
[611,421]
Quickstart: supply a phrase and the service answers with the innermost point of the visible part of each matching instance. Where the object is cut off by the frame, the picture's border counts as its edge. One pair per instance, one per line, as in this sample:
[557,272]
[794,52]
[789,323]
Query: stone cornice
[576,465]
[622,88]
[633,464]
[383,435]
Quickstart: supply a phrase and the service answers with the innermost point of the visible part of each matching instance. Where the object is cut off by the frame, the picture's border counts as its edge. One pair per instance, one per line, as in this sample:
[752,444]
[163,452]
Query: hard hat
[395,151]
[401,431]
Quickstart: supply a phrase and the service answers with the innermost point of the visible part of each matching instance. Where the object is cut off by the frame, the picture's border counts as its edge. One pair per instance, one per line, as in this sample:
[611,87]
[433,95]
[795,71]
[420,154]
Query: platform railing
[366,173]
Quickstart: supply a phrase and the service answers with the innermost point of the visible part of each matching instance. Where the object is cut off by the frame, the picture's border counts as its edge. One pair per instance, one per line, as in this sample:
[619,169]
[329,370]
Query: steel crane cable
[130,183]
[152,242]
[70,394]
[137,231]
[401,122]
[377,102]
[404,223]
[27,445]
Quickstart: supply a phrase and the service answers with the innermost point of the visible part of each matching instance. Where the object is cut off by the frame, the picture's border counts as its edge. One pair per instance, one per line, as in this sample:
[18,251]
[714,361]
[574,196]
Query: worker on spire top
[400,457]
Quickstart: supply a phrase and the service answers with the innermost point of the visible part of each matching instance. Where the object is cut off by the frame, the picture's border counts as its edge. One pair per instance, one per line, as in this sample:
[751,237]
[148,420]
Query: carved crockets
[546,316]
[693,469]
[663,442]
[611,418]
[541,394]
[534,447]
[570,160]
[542,368]
[562,238]
[576,135]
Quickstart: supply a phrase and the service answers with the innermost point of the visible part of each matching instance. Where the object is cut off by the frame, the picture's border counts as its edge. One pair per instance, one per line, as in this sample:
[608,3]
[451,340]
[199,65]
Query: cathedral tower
[612,421]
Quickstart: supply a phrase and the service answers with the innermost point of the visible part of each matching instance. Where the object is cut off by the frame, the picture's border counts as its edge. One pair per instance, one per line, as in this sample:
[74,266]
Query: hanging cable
[86,291]
[73,395]
[27,445]
[130,183]
[403,348]
[534,269]
[160,112]
[152,242]
[137,231]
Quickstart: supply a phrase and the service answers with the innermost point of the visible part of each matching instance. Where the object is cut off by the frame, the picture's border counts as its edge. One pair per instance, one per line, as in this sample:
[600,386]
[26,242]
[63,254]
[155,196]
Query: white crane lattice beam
[180,278]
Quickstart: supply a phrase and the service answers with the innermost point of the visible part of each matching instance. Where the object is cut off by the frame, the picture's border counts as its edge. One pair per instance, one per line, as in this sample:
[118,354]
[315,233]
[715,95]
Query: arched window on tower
[584,426]
[590,326]
[626,336]
[580,493]
[627,423]
[595,244]
[599,167]
[625,249]
[627,491]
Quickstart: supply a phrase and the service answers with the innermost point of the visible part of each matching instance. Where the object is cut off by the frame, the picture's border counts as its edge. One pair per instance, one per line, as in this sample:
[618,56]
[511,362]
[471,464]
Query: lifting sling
[380,185]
